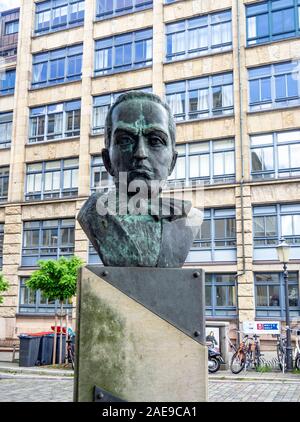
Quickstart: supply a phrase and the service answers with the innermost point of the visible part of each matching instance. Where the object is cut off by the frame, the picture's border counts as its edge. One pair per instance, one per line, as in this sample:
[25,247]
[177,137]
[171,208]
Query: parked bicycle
[247,354]
[282,353]
[70,355]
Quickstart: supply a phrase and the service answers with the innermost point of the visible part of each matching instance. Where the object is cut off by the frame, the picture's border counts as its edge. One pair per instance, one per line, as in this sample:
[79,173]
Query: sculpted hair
[133,95]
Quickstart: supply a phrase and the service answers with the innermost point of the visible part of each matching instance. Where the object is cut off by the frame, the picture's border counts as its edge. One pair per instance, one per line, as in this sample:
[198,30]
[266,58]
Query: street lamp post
[283,252]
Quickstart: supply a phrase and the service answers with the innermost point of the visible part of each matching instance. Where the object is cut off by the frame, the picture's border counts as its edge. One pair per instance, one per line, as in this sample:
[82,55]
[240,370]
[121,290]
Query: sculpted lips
[142,170]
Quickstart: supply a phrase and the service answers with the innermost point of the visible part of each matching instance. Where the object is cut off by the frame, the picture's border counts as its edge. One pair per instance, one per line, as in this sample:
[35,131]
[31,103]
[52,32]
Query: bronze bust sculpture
[140,154]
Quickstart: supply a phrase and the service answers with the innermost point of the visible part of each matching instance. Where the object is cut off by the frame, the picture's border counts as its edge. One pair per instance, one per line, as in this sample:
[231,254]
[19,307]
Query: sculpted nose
[141,149]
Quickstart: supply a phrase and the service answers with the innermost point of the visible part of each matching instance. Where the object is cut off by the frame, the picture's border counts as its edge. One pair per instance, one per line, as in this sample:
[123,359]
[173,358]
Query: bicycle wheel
[281,358]
[297,362]
[71,358]
[257,357]
[237,363]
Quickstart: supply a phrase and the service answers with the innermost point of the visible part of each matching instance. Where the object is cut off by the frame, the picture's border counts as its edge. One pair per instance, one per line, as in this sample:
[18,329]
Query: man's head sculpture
[140,138]
[140,143]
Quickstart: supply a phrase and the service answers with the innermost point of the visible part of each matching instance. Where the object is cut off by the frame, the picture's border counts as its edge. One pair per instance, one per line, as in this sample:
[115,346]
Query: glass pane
[208,301]
[220,229]
[274,296]
[261,295]
[231,296]
[287,225]
[205,230]
[293,295]
[221,295]
[259,227]
[295,155]
[271,229]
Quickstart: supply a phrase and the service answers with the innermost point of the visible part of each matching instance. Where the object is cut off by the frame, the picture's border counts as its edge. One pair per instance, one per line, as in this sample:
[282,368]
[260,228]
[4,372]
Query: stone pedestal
[140,335]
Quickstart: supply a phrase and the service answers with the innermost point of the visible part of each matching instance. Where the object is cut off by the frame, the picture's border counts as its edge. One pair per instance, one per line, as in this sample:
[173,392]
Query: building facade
[230,71]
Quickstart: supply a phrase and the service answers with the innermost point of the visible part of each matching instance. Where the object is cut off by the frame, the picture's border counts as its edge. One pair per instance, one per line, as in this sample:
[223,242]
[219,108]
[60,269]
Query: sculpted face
[140,142]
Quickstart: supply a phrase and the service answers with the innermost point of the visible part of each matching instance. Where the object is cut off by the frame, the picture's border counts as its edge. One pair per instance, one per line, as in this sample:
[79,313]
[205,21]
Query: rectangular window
[11,27]
[99,178]
[47,239]
[275,155]
[7,82]
[93,257]
[272,222]
[211,161]
[218,230]
[57,66]
[54,121]
[274,86]
[109,8]
[4,178]
[201,98]
[131,50]
[220,295]
[272,20]
[1,243]
[33,302]
[5,129]
[101,105]
[199,35]
[52,179]
[53,15]
[270,295]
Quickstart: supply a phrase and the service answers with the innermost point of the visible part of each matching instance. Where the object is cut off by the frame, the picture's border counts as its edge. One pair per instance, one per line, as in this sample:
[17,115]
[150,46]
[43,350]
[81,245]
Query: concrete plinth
[131,352]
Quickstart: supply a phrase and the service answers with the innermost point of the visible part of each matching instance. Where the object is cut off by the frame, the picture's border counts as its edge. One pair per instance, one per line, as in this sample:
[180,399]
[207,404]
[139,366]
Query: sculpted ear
[106,161]
[174,159]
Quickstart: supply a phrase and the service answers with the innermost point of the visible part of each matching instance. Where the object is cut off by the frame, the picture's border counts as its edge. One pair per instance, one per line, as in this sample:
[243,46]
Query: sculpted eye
[125,140]
[156,141]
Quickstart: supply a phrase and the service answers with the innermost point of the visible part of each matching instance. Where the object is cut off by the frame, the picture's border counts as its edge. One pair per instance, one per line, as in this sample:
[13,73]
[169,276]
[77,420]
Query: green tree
[3,286]
[57,280]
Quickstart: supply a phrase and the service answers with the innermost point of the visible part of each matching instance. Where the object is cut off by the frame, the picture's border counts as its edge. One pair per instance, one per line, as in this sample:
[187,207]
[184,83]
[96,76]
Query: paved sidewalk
[14,368]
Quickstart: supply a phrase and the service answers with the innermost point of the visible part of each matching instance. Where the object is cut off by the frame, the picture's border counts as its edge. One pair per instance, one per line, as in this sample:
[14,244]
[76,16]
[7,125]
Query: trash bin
[46,349]
[29,349]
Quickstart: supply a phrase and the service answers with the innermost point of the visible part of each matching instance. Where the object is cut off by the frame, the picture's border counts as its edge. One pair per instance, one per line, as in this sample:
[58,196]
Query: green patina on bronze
[102,346]
[140,142]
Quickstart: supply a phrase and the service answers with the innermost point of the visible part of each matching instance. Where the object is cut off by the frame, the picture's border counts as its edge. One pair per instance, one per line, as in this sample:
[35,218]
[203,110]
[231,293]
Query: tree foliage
[57,279]
[3,286]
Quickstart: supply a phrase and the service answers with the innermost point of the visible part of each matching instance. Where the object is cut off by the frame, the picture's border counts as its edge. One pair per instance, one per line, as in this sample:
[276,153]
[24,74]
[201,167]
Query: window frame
[6,119]
[271,36]
[147,4]
[212,179]
[275,311]
[38,307]
[10,89]
[70,23]
[212,215]
[4,181]
[220,311]
[61,192]
[111,44]
[277,172]
[278,211]
[48,58]
[44,116]
[39,227]
[185,91]
[13,23]
[187,53]
[273,102]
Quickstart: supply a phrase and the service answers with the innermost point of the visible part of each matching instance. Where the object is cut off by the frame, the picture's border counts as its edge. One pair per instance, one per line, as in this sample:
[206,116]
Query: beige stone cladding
[240,194]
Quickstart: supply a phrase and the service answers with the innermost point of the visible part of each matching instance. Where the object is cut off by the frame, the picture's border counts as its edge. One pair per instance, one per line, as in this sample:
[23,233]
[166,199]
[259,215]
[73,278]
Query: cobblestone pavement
[27,389]
[61,390]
